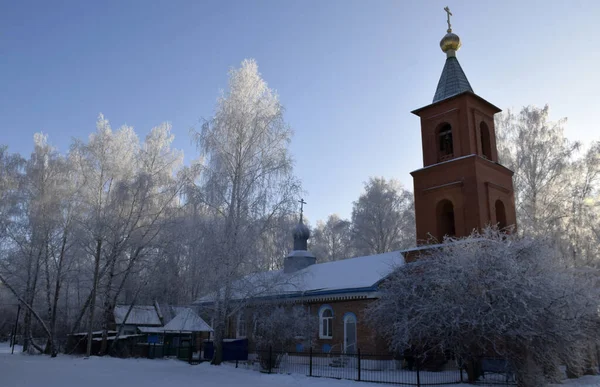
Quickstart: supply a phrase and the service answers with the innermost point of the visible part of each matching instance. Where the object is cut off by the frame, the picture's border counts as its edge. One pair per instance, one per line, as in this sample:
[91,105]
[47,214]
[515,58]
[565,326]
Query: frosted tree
[247,179]
[131,194]
[540,156]
[10,166]
[278,328]
[556,186]
[502,294]
[39,236]
[383,218]
[276,241]
[581,237]
[332,239]
[104,162]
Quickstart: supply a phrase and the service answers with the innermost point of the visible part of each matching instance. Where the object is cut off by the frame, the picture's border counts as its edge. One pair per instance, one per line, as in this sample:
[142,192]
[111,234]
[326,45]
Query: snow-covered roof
[354,274]
[188,321]
[121,337]
[139,315]
[185,321]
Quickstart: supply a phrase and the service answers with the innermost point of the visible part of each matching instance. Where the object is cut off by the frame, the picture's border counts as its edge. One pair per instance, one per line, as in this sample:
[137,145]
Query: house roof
[348,275]
[187,320]
[453,81]
[139,315]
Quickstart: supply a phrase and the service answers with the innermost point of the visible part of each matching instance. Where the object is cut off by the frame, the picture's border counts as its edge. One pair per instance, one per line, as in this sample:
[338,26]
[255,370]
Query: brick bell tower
[461,186]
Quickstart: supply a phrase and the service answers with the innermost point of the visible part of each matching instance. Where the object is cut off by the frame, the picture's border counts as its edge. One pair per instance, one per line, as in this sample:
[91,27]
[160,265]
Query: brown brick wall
[367,341]
[473,184]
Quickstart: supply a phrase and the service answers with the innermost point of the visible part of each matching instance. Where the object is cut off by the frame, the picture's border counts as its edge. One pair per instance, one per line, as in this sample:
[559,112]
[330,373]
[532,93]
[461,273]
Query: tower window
[500,215]
[446,146]
[445,217]
[486,145]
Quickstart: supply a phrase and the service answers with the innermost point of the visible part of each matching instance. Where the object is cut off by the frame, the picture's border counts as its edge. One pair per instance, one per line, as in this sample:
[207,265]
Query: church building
[462,187]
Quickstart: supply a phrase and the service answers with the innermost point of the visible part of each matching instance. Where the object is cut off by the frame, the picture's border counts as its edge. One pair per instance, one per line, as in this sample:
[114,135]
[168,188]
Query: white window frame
[326,321]
[241,330]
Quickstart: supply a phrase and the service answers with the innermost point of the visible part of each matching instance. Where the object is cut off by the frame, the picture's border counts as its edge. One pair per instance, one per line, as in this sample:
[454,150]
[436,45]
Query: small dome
[449,42]
[301,231]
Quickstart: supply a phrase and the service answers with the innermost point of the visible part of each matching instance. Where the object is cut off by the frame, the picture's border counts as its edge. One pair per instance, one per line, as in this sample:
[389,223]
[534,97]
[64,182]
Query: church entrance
[350,333]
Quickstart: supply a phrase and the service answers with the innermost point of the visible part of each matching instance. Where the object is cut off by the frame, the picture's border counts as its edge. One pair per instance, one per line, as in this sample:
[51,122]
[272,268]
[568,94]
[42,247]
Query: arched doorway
[350,333]
[500,214]
[486,145]
[445,219]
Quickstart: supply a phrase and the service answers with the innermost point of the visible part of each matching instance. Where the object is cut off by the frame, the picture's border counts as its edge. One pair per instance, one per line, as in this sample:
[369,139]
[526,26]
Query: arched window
[486,145]
[241,326]
[445,218]
[325,322]
[445,143]
[500,214]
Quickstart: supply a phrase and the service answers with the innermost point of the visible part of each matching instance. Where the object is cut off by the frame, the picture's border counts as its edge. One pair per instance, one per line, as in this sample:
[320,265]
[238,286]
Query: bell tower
[461,186]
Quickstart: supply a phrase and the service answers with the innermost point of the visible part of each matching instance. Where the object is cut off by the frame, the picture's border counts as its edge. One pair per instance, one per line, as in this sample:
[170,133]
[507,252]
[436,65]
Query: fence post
[359,364]
[310,361]
[461,373]
[270,358]
[191,354]
[418,375]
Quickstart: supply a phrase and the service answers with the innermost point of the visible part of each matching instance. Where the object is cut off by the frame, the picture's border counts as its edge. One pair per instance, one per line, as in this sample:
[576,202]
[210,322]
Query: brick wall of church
[367,340]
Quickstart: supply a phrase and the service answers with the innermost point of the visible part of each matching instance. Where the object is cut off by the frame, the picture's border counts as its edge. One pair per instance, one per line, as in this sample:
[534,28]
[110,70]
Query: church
[460,188]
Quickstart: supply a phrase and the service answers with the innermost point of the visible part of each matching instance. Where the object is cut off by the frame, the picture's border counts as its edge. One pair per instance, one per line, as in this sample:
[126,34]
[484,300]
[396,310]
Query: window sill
[326,337]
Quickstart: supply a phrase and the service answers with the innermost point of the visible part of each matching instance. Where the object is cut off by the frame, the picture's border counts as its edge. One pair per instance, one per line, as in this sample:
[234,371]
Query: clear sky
[348,72]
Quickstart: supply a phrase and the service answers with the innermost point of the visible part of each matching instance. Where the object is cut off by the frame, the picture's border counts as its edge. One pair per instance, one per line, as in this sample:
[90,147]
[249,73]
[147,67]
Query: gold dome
[450,43]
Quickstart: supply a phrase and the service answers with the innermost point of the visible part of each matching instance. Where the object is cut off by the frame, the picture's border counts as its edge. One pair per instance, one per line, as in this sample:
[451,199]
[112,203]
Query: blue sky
[348,72]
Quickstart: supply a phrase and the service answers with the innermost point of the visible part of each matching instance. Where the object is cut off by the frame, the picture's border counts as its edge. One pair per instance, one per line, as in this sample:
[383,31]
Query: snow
[121,337]
[68,371]
[588,380]
[140,315]
[21,370]
[361,273]
[5,348]
[187,320]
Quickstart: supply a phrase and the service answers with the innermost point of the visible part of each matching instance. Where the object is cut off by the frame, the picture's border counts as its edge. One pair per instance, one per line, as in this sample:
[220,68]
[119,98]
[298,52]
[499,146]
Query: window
[445,216]
[500,215]
[445,142]
[241,326]
[486,145]
[326,322]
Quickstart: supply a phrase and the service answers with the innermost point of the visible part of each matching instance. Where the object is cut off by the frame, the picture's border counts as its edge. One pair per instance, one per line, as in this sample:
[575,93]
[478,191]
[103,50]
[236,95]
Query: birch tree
[383,218]
[248,180]
[105,161]
[540,156]
[332,239]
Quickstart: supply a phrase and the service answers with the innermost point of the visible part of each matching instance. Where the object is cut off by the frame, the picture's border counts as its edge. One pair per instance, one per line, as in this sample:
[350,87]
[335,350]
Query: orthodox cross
[302,203]
[449,14]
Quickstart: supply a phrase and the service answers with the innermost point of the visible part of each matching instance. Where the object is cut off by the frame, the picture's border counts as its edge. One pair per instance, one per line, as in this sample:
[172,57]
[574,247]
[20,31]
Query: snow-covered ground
[21,370]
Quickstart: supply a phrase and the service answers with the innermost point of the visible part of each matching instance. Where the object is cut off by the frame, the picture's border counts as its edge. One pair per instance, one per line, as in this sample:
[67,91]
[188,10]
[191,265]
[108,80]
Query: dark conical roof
[453,80]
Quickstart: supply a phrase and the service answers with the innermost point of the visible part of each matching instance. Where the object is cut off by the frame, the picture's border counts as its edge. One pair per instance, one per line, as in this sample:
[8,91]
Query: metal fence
[378,368]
